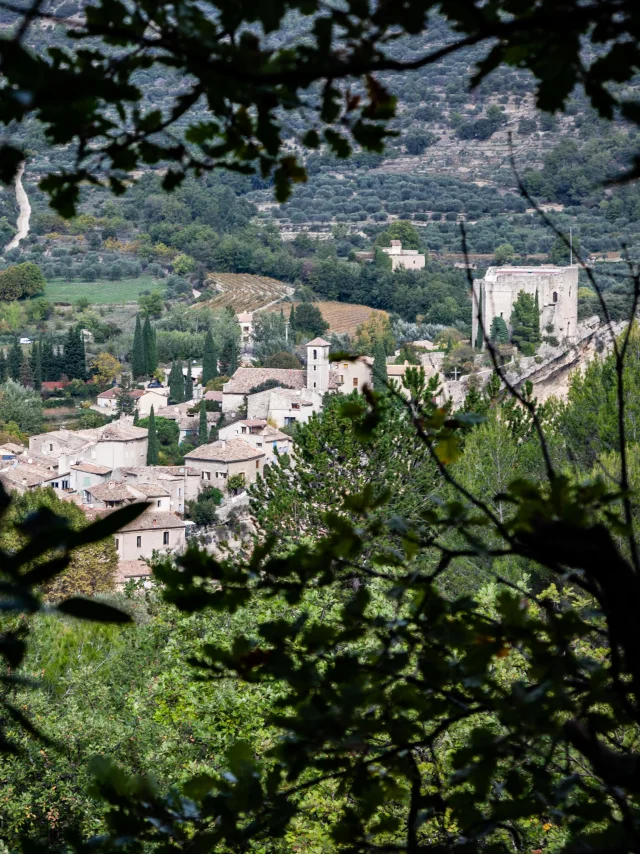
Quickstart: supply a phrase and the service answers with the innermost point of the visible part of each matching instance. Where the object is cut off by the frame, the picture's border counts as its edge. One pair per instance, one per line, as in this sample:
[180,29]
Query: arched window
[555,296]
[315,354]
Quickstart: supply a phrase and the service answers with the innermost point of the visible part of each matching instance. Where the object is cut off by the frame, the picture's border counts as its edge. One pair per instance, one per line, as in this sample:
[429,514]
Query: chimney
[24,481]
[111,484]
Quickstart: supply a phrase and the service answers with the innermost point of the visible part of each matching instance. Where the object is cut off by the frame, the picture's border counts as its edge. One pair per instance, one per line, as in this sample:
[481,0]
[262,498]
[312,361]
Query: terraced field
[341,316]
[244,291]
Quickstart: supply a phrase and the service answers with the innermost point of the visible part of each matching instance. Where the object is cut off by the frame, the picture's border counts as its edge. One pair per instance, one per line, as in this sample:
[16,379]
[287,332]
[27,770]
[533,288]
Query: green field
[101,291]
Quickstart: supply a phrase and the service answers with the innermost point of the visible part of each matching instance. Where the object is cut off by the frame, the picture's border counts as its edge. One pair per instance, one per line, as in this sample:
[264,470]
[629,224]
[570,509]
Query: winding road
[25,211]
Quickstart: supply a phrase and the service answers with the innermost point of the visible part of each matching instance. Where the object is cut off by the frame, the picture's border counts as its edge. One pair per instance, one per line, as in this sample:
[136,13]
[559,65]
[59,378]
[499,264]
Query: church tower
[318,365]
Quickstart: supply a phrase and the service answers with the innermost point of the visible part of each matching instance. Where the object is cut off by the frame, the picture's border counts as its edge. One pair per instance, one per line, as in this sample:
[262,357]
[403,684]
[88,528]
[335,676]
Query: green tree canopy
[525,323]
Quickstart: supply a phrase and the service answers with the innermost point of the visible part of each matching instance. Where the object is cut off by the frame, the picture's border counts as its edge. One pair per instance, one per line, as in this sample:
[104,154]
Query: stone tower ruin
[557,289]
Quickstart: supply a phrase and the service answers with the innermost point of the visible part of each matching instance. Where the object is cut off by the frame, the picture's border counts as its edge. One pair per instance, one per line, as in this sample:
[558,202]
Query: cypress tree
[26,377]
[379,366]
[37,371]
[233,361]
[58,364]
[3,366]
[33,357]
[292,318]
[126,405]
[209,359]
[46,359]
[176,383]
[73,359]
[153,447]
[479,335]
[136,417]
[14,361]
[138,360]
[202,426]
[188,383]
[150,350]
[82,356]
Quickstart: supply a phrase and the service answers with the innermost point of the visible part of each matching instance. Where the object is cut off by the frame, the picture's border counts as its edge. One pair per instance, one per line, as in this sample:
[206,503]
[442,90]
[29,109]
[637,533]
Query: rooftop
[225,451]
[111,393]
[213,395]
[91,468]
[24,474]
[246,379]
[150,490]
[173,471]
[111,491]
[152,519]
[318,342]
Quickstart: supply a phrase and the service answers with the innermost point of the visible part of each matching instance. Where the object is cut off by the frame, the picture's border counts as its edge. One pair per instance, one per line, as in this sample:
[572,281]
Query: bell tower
[318,365]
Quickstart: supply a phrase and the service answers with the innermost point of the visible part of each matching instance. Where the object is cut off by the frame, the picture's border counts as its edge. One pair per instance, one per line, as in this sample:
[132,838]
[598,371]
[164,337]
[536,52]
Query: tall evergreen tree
[14,360]
[150,350]
[525,324]
[188,383]
[233,360]
[203,431]
[379,366]
[292,318]
[480,333]
[58,364]
[3,366]
[176,383]
[47,359]
[153,447]
[82,356]
[37,371]
[74,360]
[136,418]
[138,359]
[126,405]
[209,359]
[26,376]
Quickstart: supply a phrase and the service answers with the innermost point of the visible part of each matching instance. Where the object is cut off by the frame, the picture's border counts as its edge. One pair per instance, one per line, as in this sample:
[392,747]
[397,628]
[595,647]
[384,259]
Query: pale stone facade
[260,435]
[556,287]
[354,376]
[155,530]
[182,483]
[219,460]
[410,259]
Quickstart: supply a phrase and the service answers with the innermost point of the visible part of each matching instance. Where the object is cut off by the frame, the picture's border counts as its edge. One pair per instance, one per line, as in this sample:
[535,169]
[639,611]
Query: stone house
[153,531]
[354,375]
[245,380]
[112,445]
[25,476]
[260,435]
[283,406]
[219,460]
[107,401]
[245,319]
[410,259]
[182,483]
[83,475]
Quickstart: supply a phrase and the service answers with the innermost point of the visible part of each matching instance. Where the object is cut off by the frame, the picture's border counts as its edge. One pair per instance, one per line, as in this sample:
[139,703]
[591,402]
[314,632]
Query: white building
[182,483]
[113,445]
[555,287]
[260,435]
[107,401]
[410,259]
[219,460]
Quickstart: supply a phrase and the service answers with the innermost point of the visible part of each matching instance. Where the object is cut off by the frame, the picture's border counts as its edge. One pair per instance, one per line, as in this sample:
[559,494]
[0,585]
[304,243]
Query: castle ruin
[557,290]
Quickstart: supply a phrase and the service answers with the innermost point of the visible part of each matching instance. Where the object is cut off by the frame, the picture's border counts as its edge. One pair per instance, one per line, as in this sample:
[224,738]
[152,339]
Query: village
[253,415]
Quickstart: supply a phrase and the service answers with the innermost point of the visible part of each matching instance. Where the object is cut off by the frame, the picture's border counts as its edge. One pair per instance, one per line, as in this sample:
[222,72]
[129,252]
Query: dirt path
[25,211]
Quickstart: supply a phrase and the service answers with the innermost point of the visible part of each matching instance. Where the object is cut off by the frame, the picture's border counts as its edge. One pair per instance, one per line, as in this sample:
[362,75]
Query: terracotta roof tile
[246,379]
[225,451]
